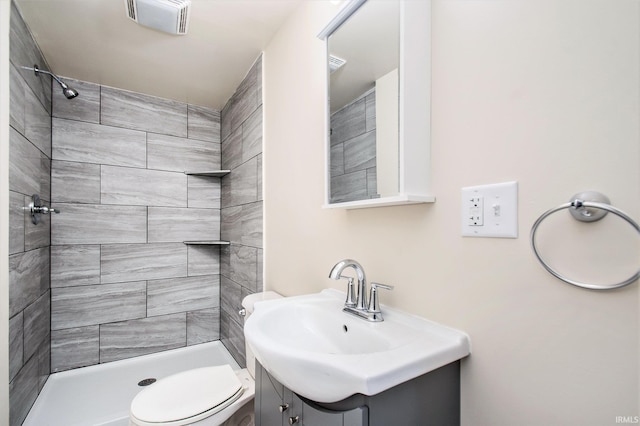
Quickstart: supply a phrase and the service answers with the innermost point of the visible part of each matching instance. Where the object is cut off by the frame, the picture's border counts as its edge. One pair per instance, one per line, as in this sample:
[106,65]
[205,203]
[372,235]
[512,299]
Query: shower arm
[38,70]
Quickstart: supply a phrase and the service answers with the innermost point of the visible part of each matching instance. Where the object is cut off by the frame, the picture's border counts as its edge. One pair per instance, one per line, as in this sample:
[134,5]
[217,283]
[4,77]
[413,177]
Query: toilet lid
[187,394]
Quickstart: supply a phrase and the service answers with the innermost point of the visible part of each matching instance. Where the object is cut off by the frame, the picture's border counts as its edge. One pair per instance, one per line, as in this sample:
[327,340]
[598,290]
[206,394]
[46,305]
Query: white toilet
[209,396]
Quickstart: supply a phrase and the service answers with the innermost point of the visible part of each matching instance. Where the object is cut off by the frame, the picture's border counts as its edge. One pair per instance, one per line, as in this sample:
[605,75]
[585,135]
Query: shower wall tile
[28,278]
[203,123]
[142,187]
[135,262]
[370,111]
[182,294]
[28,168]
[259,183]
[16,222]
[231,296]
[99,144]
[73,182]
[232,336]
[36,324]
[243,102]
[336,161]
[251,224]
[181,154]
[16,346]
[37,123]
[360,152]
[372,183]
[168,224]
[44,363]
[349,122]
[252,135]
[203,326]
[85,107]
[97,304]
[203,260]
[244,266]
[140,337]
[231,224]
[75,265]
[23,391]
[75,347]
[99,224]
[203,192]
[17,89]
[240,186]
[232,151]
[132,110]
[349,187]
[36,236]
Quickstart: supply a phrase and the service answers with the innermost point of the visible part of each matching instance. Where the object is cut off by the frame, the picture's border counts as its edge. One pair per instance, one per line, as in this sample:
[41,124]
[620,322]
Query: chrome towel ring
[587,206]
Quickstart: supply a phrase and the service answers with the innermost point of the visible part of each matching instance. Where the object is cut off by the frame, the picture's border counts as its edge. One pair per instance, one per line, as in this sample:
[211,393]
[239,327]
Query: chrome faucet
[359,306]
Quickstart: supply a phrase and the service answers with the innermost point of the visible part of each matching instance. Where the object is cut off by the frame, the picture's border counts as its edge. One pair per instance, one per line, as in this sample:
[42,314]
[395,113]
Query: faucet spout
[336,274]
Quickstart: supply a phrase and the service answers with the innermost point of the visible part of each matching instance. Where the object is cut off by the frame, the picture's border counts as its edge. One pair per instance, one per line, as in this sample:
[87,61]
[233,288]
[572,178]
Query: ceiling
[94,40]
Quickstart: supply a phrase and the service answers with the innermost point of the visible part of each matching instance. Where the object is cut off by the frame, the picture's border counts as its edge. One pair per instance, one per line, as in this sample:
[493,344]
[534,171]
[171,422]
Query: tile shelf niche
[211,173]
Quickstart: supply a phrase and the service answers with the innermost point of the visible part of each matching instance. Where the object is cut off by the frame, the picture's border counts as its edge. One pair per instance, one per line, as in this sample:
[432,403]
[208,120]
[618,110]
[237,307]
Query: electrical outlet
[490,210]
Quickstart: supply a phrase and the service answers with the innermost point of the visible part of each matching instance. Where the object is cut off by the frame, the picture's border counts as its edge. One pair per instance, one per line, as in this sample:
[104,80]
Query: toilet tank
[248,303]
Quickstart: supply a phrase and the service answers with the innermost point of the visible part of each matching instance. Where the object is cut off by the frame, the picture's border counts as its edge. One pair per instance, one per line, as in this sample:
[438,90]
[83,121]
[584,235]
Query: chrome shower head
[67,91]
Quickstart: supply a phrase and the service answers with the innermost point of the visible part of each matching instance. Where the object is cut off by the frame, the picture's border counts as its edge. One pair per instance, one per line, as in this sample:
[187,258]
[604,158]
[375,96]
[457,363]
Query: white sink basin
[326,355]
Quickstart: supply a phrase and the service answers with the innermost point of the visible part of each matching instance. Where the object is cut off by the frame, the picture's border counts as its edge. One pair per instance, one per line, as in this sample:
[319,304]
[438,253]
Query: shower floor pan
[100,395]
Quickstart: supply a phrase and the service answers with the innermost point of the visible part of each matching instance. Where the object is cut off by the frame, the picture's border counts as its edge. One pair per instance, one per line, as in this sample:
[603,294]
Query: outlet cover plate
[498,210]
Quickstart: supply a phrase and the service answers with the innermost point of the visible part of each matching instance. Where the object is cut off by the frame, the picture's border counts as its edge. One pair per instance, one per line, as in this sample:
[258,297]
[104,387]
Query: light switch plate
[490,210]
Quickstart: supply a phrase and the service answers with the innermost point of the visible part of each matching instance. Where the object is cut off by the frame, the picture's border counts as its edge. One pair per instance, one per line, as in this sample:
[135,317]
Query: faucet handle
[350,302]
[374,305]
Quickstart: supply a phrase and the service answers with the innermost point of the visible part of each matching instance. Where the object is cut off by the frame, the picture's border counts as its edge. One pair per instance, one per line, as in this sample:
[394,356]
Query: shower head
[67,91]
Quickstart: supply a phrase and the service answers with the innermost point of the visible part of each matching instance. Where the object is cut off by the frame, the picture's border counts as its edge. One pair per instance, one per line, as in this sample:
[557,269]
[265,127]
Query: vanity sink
[326,355]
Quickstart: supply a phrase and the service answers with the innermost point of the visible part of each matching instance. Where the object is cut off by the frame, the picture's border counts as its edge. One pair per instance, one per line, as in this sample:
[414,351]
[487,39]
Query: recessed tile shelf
[212,173]
[207,243]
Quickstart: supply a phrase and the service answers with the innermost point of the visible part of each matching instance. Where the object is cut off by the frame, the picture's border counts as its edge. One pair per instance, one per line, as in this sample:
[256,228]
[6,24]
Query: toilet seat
[186,397]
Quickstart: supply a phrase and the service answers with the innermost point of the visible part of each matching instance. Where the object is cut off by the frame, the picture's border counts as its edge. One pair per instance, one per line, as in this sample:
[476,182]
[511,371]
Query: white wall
[542,92]
[5,13]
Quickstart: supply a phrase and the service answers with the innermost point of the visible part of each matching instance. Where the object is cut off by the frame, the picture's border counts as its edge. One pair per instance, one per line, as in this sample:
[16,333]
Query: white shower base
[100,395]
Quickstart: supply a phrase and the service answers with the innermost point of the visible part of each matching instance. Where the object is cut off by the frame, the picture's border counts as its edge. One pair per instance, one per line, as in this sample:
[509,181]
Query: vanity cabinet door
[269,400]
[312,416]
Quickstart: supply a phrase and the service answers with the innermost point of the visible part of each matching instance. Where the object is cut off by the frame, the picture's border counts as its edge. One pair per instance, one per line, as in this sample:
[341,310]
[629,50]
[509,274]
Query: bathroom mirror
[378,104]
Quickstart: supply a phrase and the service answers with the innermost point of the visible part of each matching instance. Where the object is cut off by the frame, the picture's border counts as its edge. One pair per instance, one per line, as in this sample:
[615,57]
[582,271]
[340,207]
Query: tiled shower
[110,277]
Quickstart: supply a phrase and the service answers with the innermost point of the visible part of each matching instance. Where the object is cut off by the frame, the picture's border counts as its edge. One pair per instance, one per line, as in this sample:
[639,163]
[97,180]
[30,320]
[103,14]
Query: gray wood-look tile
[181,154]
[98,224]
[241,186]
[170,224]
[336,160]
[73,182]
[203,326]
[36,236]
[17,99]
[140,337]
[360,152]
[37,123]
[75,347]
[25,52]
[16,222]
[135,262]
[232,150]
[232,337]
[260,271]
[16,346]
[231,224]
[44,363]
[100,144]
[75,265]
[349,187]
[203,260]
[28,278]
[252,135]
[372,183]
[244,266]
[230,296]
[182,294]
[245,100]
[251,225]
[132,110]
[142,187]
[97,304]
[23,391]
[203,123]
[36,325]
[260,194]
[349,122]
[28,170]
[370,111]
[204,192]
[86,107]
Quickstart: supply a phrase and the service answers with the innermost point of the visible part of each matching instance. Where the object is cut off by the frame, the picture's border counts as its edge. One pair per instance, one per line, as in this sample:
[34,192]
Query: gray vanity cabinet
[275,405]
[430,399]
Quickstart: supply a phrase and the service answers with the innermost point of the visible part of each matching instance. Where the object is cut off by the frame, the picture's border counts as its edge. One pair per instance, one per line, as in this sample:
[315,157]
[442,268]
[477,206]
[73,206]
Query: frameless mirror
[367,129]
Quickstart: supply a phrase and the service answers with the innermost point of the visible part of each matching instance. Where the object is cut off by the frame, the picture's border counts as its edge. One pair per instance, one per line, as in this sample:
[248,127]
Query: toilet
[209,396]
